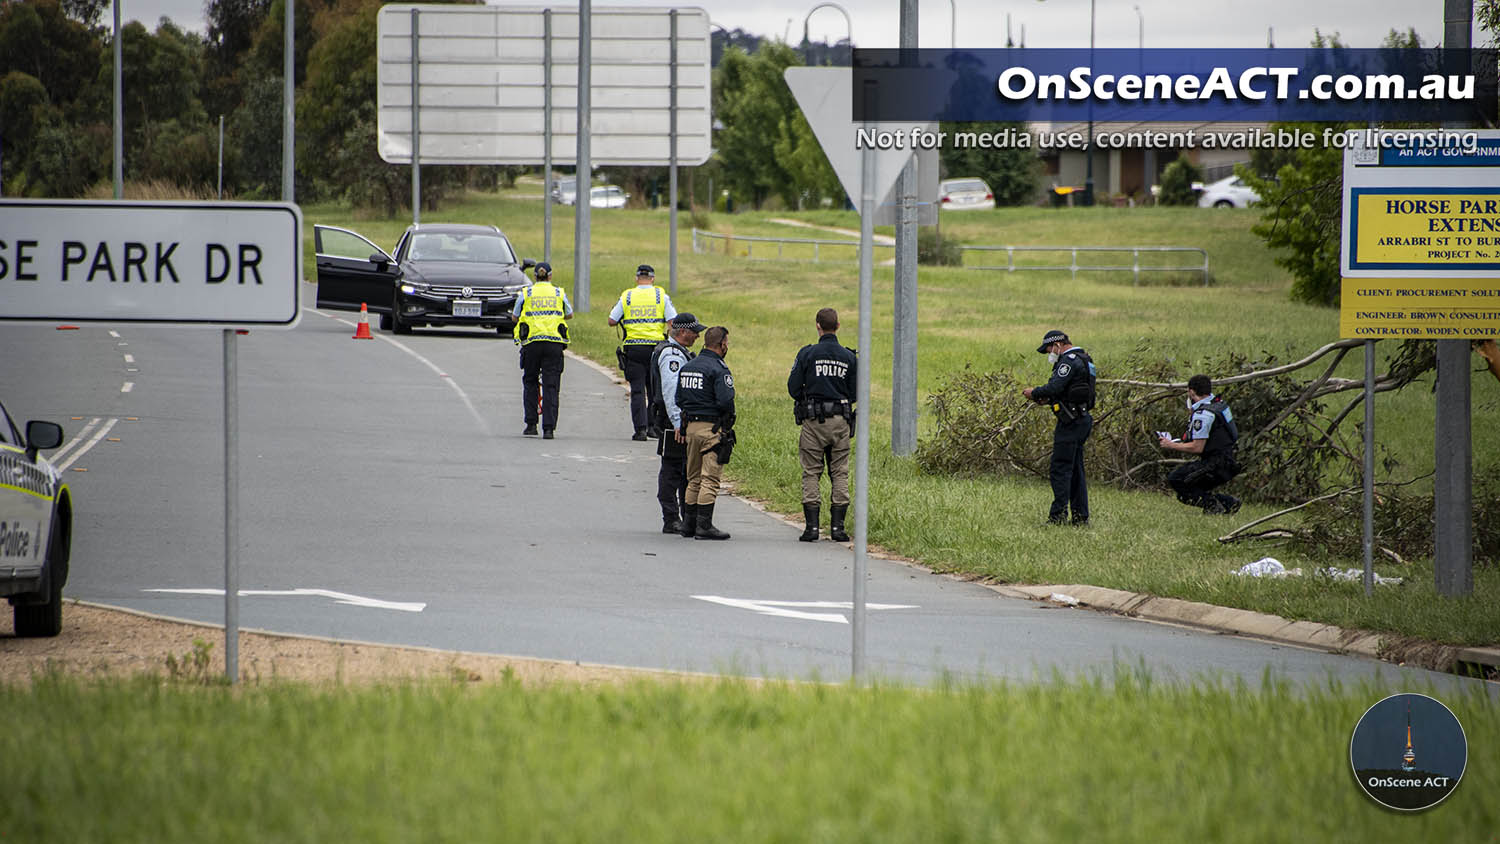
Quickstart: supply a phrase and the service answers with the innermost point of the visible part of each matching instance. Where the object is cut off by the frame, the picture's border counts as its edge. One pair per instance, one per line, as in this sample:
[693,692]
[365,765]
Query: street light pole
[1088,180]
[1140,28]
[807,44]
[953,24]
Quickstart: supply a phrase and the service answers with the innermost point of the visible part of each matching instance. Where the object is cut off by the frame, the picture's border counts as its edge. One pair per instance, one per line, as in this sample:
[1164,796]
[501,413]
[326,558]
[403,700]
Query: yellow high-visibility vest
[644,315]
[542,314]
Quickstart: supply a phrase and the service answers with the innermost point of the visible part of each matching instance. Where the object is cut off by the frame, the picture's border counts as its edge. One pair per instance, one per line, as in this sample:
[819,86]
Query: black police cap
[1053,336]
[645,269]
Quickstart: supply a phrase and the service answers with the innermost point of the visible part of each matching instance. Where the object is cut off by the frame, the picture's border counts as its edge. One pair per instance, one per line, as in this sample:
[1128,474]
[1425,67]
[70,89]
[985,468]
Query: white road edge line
[72,443]
[779,608]
[339,597]
[127,386]
[464,397]
[99,435]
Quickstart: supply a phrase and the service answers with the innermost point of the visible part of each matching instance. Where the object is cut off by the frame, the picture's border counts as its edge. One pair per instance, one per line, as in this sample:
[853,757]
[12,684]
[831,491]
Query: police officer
[1211,435]
[1070,392]
[705,395]
[822,384]
[667,360]
[540,312]
[644,311]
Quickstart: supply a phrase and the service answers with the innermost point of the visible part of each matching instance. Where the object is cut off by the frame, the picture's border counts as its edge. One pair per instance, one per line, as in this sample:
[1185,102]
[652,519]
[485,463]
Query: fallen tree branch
[1234,535]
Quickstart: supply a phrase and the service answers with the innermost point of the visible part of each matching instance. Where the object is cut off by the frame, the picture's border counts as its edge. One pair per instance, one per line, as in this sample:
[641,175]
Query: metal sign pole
[672,157]
[288,105]
[1369,538]
[231,511]
[584,177]
[862,395]
[416,128]
[904,329]
[119,119]
[221,157]
[547,136]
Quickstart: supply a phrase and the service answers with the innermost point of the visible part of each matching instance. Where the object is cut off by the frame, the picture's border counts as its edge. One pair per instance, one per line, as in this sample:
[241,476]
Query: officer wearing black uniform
[822,385]
[1212,435]
[1070,393]
[705,395]
[667,359]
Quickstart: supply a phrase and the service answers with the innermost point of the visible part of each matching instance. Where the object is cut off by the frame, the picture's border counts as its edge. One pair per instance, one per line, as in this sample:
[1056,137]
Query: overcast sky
[1048,23]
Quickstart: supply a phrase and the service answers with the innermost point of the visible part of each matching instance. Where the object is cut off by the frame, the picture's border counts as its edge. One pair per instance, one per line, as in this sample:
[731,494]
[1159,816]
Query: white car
[1228,192]
[964,195]
[565,191]
[36,526]
[607,196]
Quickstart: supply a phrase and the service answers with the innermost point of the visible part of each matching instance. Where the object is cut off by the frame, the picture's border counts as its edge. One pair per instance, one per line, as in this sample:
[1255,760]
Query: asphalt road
[387,495]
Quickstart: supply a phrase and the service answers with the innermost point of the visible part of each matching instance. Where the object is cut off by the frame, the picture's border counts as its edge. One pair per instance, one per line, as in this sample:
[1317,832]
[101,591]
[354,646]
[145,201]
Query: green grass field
[1109,759]
[992,321]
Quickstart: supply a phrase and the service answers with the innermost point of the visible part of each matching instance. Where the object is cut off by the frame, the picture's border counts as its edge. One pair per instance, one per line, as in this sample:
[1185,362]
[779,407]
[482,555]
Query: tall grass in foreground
[1114,759]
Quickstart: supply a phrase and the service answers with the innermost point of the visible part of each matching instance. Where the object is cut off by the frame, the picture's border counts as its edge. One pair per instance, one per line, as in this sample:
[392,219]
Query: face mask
[1052,358]
[1189,403]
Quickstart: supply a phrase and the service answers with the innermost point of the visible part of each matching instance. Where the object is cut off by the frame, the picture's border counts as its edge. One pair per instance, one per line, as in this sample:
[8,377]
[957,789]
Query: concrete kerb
[1271,628]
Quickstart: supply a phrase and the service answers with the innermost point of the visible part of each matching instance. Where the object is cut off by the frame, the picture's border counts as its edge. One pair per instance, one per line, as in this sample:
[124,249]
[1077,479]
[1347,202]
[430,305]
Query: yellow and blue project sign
[1421,245]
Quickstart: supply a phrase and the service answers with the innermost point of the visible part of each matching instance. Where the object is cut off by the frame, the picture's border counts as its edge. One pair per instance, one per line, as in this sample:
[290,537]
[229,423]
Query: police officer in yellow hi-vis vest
[644,311]
[540,312]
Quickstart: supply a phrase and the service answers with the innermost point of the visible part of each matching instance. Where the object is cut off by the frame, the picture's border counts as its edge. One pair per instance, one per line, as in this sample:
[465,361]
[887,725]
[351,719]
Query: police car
[36,526]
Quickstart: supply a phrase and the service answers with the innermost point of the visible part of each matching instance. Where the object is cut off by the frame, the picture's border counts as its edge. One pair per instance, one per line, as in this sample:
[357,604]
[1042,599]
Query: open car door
[353,271]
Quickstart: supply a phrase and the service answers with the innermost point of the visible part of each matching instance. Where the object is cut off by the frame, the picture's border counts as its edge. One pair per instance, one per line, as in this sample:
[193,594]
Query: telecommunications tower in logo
[1390,771]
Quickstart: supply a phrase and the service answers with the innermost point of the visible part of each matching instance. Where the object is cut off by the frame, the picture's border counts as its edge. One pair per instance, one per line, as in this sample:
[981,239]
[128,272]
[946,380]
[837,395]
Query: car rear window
[972,184]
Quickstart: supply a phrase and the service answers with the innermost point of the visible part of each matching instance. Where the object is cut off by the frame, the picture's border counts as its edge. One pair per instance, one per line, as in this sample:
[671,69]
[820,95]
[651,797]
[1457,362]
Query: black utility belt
[688,417]
[828,408]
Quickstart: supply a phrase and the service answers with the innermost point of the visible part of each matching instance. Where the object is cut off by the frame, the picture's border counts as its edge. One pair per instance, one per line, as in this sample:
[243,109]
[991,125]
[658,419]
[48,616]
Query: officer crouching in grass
[705,395]
[1070,392]
[1212,435]
[667,359]
[822,384]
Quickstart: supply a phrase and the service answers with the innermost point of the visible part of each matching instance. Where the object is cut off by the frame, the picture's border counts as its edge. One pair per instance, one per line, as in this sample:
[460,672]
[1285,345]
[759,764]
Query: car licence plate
[466,308]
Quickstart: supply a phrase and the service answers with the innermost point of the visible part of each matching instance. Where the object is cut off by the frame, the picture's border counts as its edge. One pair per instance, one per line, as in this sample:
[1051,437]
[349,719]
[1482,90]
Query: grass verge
[1112,758]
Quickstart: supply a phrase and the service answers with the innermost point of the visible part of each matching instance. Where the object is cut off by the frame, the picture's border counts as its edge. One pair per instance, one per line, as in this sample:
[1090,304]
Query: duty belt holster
[724,448]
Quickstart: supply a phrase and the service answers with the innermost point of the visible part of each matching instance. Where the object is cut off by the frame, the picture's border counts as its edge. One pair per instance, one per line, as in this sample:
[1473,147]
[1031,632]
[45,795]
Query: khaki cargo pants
[826,441]
[703,469]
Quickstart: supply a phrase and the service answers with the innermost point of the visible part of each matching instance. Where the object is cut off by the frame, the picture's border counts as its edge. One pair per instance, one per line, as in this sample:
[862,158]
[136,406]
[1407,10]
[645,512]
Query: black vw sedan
[440,274]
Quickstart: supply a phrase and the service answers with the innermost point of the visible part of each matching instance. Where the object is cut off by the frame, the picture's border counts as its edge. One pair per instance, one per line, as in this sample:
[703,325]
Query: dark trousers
[671,481]
[637,372]
[1194,482]
[1069,488]
[541,361]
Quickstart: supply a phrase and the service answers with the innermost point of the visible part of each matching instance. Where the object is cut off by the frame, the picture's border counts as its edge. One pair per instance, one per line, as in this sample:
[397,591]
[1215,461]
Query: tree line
[56,120]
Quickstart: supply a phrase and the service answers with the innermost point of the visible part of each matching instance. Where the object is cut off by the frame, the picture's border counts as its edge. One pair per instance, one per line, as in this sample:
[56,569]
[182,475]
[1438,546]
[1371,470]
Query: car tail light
[947,199]
[989,196]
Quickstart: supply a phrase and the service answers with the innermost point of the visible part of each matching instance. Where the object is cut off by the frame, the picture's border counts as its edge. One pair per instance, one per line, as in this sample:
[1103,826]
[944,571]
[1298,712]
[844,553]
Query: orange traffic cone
[362,332]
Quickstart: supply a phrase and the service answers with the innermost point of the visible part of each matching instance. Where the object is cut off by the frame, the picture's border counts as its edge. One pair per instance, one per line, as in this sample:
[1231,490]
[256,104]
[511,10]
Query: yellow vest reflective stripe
[644,315]
[542,314]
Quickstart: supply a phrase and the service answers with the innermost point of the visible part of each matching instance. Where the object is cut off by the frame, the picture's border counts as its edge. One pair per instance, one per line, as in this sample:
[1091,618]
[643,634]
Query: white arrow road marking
[340,597]
[779,607]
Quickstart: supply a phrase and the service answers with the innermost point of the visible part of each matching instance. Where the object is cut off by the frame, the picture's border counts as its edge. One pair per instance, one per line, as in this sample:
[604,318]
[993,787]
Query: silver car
[36,526]
[964,195]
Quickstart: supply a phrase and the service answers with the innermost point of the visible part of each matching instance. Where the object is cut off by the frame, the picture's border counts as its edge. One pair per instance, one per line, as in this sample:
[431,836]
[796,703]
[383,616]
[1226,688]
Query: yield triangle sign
[826,96]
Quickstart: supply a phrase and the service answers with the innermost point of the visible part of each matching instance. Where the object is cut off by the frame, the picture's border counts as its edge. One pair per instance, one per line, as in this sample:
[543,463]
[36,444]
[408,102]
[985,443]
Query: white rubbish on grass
[1264,567]
[1358,575]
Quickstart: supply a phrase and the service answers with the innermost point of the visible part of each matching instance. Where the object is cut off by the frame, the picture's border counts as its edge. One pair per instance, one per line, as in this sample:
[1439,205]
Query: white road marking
[127,386]
[130,358]
[76,439]
[777,608]
[82,450]
[339,597]
[115,334]
[464,397]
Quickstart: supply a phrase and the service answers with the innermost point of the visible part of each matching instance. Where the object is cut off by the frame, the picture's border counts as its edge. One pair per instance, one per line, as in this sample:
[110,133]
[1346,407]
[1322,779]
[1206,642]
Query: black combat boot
[670,523]
[689,521]
[836,522]
[810,515]
[705,528]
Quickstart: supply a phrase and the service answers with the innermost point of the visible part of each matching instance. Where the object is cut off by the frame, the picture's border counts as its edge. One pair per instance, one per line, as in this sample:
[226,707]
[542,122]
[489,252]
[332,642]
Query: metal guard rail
[1134,267]
[702,243]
